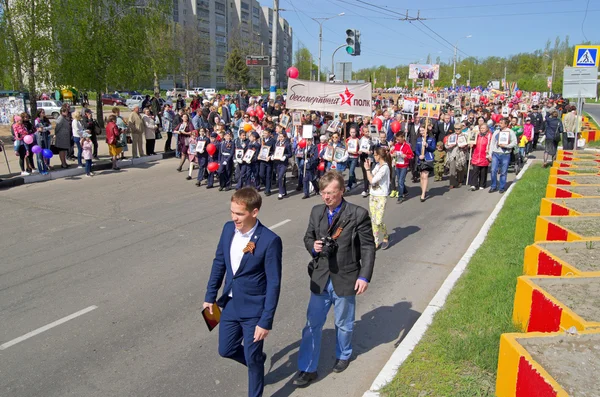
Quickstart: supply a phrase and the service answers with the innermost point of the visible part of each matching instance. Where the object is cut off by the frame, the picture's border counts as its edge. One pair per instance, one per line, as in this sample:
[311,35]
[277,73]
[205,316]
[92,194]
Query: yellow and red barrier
[566,191]
[541,262]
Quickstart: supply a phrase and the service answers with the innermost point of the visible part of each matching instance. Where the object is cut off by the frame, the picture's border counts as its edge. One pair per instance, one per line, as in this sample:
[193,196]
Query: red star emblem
[346,97]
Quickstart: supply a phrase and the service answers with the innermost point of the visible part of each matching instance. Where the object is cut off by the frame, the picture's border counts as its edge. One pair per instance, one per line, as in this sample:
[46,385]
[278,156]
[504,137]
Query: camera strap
[334,224]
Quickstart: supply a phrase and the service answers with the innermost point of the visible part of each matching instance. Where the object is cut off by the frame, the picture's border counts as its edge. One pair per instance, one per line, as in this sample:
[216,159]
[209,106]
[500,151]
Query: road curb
[420,327]
[71,172]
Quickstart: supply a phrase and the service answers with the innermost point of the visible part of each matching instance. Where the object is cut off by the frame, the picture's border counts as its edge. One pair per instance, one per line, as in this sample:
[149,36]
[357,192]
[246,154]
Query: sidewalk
[104,163]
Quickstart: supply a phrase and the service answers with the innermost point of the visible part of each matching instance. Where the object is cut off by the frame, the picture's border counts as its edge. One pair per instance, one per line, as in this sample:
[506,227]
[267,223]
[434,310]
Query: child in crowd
[192,153]
[213,159]
[86,147]
[439,161]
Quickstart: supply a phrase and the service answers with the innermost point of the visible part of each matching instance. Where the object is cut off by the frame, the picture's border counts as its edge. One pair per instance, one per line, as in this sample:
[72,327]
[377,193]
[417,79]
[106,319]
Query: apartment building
[225,23]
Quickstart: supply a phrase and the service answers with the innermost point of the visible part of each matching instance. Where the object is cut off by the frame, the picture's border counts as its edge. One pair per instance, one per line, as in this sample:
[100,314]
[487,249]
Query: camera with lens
[329,246]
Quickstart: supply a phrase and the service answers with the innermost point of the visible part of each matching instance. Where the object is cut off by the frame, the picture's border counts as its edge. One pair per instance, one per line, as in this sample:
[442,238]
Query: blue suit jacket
[257,282]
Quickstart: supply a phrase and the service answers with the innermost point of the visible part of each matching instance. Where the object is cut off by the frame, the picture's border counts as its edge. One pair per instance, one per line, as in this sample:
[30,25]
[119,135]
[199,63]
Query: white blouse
[380,184]
[77,127]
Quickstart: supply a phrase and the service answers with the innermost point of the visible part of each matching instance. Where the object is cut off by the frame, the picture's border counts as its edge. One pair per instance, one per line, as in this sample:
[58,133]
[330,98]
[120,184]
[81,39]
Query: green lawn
[592,120]
[458,355]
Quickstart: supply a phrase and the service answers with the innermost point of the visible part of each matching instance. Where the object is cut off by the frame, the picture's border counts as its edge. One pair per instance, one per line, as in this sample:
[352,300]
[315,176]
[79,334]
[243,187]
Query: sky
[497,27]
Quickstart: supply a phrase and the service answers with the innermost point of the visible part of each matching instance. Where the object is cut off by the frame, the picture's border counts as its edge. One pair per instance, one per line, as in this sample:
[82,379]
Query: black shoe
[179,169]
[304,378]
[305,197]
[400,200]
[493,190]
[227,189]
[209,187]
[267,193]
[341,365]
[220,188]
[299,189]
[502,191]
[198,183]
[188,178]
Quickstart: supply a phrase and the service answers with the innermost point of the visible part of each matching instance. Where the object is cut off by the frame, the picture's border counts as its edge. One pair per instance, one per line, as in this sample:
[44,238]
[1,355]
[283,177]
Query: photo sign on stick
[307,131]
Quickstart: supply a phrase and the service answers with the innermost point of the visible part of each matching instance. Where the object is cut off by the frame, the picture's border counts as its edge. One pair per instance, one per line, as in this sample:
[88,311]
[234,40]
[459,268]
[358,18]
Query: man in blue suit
[249,257]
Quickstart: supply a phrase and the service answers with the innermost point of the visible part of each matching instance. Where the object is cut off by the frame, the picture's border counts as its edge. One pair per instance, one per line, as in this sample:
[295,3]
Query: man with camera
[340,240]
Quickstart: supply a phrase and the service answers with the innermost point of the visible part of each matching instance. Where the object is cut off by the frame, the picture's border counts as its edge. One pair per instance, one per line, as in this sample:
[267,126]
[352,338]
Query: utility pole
[274,48]
[320,22]
[552,81]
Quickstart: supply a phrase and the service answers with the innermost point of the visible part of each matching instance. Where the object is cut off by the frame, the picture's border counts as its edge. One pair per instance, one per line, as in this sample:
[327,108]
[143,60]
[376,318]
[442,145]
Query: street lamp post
[455,54]
[320,22]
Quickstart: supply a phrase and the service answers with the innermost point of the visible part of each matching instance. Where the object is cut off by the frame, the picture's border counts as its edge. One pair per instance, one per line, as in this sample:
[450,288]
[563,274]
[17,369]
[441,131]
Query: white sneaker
[80,166]
[473,188]
[34,171]
[92,173]
[25,173]
[280,196]
[365,193]
[481,188]
[88,175]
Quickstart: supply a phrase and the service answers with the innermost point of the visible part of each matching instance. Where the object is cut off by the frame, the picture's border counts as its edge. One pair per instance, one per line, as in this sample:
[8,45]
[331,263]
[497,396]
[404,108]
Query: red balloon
[496,117]
[251,113]
[519,93]
[502,97]
[211,149]
[302,143]
[510,105]
[212,167]
[321,167]
[378,123]
[293,72]
[260,113]
[395,126]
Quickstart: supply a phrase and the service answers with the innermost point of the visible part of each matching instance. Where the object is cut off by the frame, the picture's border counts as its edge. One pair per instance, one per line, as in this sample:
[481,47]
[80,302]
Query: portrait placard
[365,145]
[328,153]
[353,146]
[307,131]
[200,145]
[399,157]
[249,155]
[239,154]
[284,120]
[333,126]
[472,139]
[503,138]
[263,155]
[279,152]
[296,118]
[462,140]
[339,154]
[452,139]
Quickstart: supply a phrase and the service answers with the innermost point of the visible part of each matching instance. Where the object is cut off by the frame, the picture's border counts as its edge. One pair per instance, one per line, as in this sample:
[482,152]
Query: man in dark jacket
[538,125]
[553,129]
[340,239]
[444,127]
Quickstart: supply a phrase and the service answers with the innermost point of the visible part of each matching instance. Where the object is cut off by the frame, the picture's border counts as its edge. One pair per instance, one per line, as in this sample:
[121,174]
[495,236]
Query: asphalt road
[594,110]
[135,250]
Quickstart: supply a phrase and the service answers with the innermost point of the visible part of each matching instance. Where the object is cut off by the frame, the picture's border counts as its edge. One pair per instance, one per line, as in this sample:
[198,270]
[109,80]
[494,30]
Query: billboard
[418,71]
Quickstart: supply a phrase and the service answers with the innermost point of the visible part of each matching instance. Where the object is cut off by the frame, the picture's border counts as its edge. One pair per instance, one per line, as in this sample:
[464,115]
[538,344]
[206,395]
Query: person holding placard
[265,162]
[502,143]
[311,158]
[213,158]
[283,151]
[364,150]
[201,154]
[425,148]
[479,158]
[456,158]
[403,154]
[240,143]
[352,143]
[248,168]
[226,155]
[339,154]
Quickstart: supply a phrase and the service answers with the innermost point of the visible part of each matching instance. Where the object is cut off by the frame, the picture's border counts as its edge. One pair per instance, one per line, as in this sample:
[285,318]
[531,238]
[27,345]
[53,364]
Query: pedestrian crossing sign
[586,56]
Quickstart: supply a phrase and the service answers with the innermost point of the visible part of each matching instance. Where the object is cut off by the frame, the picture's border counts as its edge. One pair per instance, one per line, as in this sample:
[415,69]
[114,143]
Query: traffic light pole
[332,57]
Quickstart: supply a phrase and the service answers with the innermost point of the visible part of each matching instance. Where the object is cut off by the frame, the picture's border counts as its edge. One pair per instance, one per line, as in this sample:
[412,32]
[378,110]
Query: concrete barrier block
[570,206]
[578,258]
[566,191]
[574,180]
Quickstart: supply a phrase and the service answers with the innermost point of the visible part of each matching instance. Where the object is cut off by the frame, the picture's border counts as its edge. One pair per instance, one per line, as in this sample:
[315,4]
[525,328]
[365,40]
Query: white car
[134,101]
[51,107]
[209,93]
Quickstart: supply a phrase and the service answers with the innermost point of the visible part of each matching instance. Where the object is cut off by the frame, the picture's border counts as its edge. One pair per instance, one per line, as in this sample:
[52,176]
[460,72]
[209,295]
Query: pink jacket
[87,149]
[528,131]
[480,149]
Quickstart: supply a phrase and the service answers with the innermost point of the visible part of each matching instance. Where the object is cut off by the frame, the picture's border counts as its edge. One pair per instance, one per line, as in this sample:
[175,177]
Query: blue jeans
[77,142]
[401,176]
[88,166]
[499,160]
[352,163]
[318,307]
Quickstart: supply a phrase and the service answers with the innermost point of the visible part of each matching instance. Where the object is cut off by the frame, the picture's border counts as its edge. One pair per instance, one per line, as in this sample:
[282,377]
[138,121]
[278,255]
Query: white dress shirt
[236,252]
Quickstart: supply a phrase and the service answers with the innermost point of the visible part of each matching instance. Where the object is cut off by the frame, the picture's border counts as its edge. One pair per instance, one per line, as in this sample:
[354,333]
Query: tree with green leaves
[237,73]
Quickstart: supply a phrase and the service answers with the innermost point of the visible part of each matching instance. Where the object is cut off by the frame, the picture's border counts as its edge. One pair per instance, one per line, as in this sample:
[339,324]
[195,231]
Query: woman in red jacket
[402,153]
[479,159]
[112,138]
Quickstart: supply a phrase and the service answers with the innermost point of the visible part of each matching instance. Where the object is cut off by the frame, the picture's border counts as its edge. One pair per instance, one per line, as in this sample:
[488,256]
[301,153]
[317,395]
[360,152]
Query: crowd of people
[238,140]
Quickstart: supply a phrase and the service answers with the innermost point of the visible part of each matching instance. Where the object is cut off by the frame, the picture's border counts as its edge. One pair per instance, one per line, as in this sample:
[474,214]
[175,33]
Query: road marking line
[46,327]
[275,226]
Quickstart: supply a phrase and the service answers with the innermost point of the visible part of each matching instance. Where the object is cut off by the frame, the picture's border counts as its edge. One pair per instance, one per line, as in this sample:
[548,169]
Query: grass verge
[458,354]
[592,120]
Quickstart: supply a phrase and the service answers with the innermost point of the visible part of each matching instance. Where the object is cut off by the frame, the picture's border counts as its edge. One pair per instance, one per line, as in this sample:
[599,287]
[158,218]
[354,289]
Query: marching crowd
[237,141]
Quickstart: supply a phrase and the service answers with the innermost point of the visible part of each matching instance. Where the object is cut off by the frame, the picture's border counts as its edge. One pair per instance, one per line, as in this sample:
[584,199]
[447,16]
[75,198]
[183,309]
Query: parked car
[174,92]
[135,100]
[51,107]
[113,99]
[209,93]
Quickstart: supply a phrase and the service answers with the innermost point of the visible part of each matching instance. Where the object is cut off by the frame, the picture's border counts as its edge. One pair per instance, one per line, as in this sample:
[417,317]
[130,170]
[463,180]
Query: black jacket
[439,130]
[354,256]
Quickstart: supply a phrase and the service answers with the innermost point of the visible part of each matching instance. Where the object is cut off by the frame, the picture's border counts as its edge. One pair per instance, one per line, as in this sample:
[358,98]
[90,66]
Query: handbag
[129,140]
[53,147]
[158,135]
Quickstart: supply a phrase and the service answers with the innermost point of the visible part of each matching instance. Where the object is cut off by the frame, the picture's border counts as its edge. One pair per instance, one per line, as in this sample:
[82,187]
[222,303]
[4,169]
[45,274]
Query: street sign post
[258,60]
[580,83]
[586,56]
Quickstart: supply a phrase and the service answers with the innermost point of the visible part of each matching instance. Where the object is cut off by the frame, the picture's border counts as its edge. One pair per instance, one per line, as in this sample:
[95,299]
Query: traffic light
[351,41]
